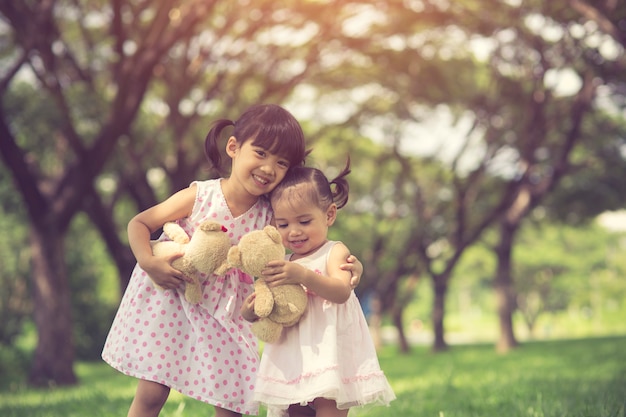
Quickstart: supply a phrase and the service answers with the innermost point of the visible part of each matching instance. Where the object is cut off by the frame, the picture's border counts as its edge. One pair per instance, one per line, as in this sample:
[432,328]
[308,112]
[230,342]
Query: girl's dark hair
[321,192]
[269,126]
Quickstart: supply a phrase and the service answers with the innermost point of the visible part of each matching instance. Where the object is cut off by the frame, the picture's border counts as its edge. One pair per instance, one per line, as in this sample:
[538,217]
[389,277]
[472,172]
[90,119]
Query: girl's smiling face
[255,168]
[302,224]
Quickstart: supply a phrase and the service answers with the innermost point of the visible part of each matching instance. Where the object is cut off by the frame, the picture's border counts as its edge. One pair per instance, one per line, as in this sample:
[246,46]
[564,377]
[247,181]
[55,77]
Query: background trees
[496,69]
[454,115]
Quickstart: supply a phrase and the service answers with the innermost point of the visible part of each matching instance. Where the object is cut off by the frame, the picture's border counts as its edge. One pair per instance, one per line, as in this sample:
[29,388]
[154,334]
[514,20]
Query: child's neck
[238,201]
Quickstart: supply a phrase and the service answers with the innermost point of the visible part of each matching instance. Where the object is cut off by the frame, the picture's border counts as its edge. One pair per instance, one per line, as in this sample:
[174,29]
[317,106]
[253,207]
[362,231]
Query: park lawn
[564,378]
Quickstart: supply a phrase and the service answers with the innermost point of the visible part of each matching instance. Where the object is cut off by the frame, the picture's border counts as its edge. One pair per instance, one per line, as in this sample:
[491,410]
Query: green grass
[564,378]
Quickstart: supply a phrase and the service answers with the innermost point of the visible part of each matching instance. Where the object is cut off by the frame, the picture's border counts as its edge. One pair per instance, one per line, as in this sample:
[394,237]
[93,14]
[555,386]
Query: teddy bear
[277,307]
[206,252]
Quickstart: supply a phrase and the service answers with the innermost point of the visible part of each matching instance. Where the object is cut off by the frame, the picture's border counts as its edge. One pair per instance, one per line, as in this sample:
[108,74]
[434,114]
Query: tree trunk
[440,287]
[503,284]
[397,321]
[54,355]
[102,218]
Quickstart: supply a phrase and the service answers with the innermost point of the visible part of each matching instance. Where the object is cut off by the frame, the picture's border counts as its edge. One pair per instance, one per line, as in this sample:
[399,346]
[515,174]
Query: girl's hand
[355,267]
[247,309]
[283,272]
[162,273]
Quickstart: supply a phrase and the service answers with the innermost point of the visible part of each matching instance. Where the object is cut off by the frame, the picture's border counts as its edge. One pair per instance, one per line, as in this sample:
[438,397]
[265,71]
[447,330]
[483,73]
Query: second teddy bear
[277,307]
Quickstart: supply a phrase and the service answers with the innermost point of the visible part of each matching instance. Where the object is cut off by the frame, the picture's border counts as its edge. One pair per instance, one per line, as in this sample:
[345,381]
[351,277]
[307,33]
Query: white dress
[329,354]
[205,351]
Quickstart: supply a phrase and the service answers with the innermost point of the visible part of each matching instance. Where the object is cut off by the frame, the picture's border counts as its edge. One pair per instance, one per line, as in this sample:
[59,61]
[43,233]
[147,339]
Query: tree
[53,193]
[525,129]
[554,126]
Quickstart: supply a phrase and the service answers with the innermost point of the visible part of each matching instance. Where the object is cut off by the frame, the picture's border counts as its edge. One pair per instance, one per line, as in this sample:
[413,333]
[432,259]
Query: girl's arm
[334,287]
[355,267]
[147,222]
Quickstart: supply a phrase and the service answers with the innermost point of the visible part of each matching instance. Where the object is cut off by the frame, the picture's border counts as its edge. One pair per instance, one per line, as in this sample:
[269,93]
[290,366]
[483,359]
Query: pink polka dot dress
[207,350]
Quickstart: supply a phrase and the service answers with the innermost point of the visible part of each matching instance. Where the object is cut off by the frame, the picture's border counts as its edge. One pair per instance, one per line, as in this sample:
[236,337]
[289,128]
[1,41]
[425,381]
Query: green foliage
[561,267]
[36,121]
[573,378]
[559,271]
[94,285]
[597,184]
[14,363]
[15,305]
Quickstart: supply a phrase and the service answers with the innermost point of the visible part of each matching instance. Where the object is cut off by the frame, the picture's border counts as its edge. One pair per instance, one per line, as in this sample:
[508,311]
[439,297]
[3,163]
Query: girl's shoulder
[335,245]
[208,194]
[337,249]
[211,185]
[208,190]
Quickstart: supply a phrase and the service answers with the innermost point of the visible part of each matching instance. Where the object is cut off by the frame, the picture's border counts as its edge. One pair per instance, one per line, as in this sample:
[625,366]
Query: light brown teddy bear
[206,252]
[277,307]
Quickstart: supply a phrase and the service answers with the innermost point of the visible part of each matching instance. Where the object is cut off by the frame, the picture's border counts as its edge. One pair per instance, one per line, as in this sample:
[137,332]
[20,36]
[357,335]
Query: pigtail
[211,146]
[340,188]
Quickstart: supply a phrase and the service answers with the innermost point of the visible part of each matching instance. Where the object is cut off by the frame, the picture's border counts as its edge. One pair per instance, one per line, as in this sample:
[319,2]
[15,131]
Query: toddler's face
[302,224]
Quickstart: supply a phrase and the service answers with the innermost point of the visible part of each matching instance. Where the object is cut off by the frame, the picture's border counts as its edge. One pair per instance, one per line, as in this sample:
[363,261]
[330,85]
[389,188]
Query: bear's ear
[211,226]
[273,234]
